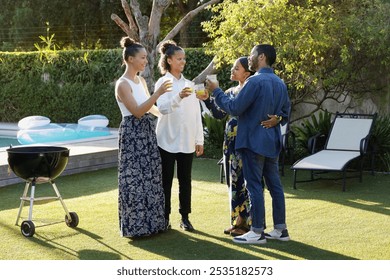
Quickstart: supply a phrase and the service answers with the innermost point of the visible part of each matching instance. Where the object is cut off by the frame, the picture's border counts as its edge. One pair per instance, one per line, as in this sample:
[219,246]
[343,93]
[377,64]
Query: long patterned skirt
[237,192]
[238,195]
[141,196]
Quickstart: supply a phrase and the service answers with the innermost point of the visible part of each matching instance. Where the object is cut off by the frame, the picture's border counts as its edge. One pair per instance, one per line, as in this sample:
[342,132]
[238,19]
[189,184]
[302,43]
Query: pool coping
[85,155]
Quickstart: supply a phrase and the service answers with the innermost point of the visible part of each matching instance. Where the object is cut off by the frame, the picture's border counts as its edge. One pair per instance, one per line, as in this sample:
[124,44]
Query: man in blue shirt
[263,95]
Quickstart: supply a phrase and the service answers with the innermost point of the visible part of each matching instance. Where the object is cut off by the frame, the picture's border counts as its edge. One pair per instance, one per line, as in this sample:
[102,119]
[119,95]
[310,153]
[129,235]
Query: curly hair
[166,50]
[130,47]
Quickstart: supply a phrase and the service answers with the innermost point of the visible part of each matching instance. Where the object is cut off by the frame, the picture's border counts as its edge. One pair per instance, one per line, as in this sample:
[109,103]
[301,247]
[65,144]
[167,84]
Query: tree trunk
[147,31]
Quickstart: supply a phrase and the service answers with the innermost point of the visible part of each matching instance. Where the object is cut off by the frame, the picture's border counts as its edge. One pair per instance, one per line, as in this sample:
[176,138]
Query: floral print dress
[141,196]
[239,201]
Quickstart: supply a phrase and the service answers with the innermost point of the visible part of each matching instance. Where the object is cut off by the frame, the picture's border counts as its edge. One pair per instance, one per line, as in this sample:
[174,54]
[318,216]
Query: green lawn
[323,222]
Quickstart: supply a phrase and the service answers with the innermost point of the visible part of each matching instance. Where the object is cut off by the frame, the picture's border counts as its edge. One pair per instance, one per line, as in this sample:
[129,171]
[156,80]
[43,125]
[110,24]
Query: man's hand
[271,122]
[211,86]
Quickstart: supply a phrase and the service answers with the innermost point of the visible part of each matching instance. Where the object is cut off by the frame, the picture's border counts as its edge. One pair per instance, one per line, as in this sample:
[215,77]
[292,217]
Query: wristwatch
[279,118]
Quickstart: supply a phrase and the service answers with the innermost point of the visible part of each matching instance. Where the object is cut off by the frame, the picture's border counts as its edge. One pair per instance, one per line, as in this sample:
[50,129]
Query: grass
[324,222]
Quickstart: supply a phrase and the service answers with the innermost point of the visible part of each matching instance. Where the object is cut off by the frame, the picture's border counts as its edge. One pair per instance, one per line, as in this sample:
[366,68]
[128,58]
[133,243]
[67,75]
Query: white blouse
[179,128]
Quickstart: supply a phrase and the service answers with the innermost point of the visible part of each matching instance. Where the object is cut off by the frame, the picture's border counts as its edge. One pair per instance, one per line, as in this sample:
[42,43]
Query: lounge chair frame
[347,141]
[288,146]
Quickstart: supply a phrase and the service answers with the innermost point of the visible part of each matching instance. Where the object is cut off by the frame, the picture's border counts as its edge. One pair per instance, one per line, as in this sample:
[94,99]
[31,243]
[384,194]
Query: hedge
[67,85]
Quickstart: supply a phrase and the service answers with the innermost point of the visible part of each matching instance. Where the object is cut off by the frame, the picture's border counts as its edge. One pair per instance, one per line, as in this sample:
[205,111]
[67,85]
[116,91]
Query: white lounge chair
[347,140]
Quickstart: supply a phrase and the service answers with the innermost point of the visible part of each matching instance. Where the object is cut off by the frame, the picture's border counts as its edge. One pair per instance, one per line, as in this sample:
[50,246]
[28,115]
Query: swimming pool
[40,130]
[8,136]
[8,132]
[8,141]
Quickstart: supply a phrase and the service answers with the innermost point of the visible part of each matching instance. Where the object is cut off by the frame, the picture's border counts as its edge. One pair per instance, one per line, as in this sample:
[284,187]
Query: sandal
[238,223]
[229,229]
[239,231]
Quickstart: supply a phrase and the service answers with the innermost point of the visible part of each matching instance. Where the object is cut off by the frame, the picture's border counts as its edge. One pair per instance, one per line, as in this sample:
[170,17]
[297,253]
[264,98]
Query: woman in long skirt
[141,196]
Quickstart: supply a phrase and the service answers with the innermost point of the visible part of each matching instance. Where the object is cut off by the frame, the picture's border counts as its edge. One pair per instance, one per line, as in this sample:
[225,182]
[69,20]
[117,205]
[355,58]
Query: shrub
[380,143]
[71,84]
[309,128]
[214,135]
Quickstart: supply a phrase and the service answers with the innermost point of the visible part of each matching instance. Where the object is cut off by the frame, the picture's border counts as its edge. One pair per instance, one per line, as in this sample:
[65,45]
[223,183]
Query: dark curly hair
[166,50]
[130,47]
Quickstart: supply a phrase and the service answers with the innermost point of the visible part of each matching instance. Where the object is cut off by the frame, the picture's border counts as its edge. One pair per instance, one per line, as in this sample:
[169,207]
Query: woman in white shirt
[141,196]
[179,130]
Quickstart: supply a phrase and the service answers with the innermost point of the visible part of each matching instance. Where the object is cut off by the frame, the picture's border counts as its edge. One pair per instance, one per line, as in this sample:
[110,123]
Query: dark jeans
[255,167]
[184,168]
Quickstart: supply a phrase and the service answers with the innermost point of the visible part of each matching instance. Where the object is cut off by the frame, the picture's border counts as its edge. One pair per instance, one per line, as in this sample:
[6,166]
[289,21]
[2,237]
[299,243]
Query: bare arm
[125,95]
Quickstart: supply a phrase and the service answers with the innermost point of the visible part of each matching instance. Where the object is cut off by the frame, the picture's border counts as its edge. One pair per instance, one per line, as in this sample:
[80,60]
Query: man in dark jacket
[263,95]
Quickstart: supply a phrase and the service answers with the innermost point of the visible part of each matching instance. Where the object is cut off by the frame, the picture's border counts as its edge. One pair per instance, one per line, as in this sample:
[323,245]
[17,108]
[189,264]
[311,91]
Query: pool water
[7,141]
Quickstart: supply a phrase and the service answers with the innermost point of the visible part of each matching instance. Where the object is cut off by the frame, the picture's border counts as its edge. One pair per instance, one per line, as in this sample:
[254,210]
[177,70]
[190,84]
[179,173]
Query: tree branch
[142,21]
[187,18]
[210,69]
[155,20]
[130,32]
[126,8]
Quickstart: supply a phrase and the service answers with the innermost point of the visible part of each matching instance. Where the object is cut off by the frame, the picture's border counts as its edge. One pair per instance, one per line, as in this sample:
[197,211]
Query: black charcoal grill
[39,164]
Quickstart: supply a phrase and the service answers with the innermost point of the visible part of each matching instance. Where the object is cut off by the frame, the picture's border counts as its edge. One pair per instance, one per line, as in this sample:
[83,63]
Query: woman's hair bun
[166,45]
[126,42]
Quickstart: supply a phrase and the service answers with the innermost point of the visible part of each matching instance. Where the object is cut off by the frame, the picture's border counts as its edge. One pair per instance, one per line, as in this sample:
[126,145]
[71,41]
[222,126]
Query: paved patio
[85,155]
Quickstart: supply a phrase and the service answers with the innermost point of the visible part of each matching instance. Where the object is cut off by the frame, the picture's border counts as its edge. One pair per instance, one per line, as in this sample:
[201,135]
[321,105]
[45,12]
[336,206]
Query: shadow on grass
[370,195]
[177,245]
[84,254]
[98,255]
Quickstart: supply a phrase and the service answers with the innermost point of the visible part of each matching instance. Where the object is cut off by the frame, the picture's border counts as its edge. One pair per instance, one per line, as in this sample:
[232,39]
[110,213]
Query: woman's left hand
[185,92]
[199,150]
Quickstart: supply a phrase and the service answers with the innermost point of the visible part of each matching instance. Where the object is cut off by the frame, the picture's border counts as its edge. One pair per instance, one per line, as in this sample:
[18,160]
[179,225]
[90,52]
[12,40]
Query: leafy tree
[327,50]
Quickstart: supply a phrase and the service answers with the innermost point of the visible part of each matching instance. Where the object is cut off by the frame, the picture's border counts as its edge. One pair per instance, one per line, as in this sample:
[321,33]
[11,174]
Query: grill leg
[31,200]
[61,200]
[22,199]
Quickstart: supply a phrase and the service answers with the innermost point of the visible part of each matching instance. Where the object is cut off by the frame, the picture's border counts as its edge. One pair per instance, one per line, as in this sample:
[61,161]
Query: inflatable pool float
[84,131]
[93,121]
[44,134]
[38,129]
[33,121]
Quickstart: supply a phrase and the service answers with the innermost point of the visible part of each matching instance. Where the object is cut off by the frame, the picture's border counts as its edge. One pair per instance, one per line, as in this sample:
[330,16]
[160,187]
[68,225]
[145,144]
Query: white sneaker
[250,237]
[278,234]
